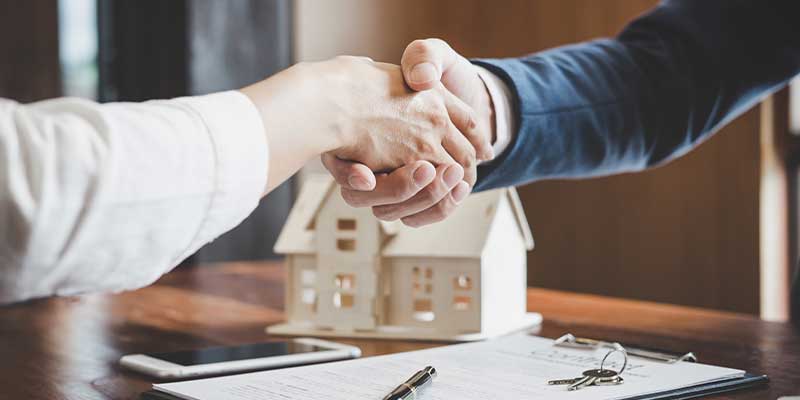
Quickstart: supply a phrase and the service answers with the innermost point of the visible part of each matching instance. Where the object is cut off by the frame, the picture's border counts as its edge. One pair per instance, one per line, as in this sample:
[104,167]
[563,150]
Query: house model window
[462,285]
[462,303]
[463,278]
[345,281]
[346,244]
[462,282]
[346,224]
[422,279]
[308,294]
[343,300]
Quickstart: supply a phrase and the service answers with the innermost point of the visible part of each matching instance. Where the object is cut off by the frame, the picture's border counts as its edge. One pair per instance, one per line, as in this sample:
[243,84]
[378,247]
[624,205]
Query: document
[510,368]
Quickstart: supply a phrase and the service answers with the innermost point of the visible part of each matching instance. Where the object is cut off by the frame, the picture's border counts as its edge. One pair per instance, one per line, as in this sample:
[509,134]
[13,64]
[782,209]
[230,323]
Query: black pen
[408,389]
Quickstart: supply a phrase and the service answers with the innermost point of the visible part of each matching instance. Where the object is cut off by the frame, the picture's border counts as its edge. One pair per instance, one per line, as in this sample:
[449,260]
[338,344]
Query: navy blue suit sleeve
[669,80]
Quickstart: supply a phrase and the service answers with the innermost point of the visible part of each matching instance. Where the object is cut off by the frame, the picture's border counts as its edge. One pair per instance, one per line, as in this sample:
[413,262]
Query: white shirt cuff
[505,122]
[242,158]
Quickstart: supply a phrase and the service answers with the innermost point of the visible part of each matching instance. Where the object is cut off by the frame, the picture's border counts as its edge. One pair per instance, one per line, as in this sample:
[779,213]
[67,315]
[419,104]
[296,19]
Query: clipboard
[513,367]
[748,381]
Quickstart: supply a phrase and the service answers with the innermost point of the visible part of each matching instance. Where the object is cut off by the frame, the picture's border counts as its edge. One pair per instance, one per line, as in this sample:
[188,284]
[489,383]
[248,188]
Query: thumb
[349,174]
[425,61]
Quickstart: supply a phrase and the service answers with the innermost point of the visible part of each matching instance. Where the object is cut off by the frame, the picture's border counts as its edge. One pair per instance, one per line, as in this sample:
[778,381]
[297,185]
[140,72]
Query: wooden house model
[352,275]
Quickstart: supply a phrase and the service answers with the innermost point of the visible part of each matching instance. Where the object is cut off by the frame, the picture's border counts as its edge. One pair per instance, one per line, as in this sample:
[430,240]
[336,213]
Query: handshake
[404,140]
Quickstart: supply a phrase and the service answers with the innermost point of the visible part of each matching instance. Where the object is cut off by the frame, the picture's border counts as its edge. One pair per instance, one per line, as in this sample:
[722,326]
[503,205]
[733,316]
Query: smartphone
[249,357]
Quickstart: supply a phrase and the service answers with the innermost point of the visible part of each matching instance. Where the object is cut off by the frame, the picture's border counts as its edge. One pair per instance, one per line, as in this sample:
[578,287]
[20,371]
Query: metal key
[615,381]
[594,376]
[589,378]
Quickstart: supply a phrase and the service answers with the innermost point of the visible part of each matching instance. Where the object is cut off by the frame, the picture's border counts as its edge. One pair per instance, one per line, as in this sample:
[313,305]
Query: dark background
[715,229]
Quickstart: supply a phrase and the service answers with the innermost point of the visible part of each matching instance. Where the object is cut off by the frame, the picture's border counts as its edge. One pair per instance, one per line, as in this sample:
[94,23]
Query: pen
[408,389]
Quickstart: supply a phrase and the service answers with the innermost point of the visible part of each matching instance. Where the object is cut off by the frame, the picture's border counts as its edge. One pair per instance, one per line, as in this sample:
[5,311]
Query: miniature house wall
[349,274]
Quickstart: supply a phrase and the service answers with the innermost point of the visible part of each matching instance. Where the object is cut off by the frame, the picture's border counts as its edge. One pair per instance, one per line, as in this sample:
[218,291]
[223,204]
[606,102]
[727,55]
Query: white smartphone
[250,357]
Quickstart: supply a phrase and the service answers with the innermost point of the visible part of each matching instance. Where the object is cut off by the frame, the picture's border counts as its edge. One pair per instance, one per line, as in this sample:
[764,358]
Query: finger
[425,61]
[440,210]
[447,177]
[463,117]
[463,153]
[349,174]
[395,187]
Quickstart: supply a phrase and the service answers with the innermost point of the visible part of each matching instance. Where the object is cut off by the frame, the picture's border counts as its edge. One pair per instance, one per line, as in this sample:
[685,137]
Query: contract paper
[511,368]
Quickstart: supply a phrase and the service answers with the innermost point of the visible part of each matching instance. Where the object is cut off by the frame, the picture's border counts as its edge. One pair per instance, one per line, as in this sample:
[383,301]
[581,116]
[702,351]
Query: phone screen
[246,352]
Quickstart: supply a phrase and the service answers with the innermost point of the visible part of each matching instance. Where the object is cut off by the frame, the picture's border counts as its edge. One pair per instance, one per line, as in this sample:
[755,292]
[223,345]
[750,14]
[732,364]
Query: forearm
[109,197]
[672,78]
[296,129]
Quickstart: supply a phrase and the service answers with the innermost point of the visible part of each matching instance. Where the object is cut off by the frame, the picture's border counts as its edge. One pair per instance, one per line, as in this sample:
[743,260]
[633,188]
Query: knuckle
[398,192]
[470,179]
[441,210]
[329,166]
[434,215]
[421,46]
[432,193]
[439,120]
[470,176]
[469,161]
[425,147]
[409,222]
[350,198]
[414,221]
[437,42]
[350,61]
[383,213]
[338,176]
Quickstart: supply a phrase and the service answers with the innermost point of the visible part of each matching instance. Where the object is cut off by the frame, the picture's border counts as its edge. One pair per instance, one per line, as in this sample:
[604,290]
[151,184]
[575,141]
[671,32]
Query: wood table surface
[67,348]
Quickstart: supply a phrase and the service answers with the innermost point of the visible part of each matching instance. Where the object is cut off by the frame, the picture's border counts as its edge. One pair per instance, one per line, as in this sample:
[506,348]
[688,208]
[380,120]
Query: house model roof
[463,234]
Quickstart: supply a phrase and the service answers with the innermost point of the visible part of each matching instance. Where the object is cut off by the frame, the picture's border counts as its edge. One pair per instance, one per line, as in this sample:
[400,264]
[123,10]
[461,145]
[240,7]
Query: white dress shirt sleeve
[110,197]
[505,122]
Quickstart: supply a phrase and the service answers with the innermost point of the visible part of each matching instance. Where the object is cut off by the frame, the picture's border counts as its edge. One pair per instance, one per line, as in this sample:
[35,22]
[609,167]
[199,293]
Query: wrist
[295,118]
[295,108]
[485,110]
[502,110]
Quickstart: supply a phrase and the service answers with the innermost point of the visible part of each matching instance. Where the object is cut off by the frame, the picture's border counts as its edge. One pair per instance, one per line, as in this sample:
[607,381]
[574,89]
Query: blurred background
[717,228]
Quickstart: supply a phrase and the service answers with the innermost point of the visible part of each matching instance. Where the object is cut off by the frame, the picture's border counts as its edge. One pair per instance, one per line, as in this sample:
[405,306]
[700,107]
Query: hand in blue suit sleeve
[669,80]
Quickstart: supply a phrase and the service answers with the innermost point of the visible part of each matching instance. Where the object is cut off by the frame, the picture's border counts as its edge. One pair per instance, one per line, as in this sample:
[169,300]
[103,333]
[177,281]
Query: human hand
[386,125]
[352,108]
[425,63]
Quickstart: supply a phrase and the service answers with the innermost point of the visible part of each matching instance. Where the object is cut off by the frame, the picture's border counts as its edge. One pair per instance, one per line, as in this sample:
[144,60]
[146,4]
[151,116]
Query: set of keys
[591,377]
[597,377]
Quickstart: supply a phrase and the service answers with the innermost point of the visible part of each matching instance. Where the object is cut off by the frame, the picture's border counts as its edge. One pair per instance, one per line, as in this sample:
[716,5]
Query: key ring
[617,349]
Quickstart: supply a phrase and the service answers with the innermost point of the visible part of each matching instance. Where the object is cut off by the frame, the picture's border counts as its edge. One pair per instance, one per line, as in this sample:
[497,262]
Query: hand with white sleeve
[426,64]
[111,196]
[352,108]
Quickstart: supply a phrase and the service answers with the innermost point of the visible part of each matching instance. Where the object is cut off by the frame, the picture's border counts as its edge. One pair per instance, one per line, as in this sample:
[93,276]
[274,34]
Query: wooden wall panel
[29,66]
[685,233]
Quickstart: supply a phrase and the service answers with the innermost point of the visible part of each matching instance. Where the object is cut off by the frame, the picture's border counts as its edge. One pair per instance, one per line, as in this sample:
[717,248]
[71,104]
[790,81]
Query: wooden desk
[67,348]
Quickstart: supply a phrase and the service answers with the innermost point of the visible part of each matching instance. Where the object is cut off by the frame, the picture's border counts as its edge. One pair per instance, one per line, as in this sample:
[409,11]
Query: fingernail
[453,175]
[423,73]
[424,174]
[460,192]
[358,182]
